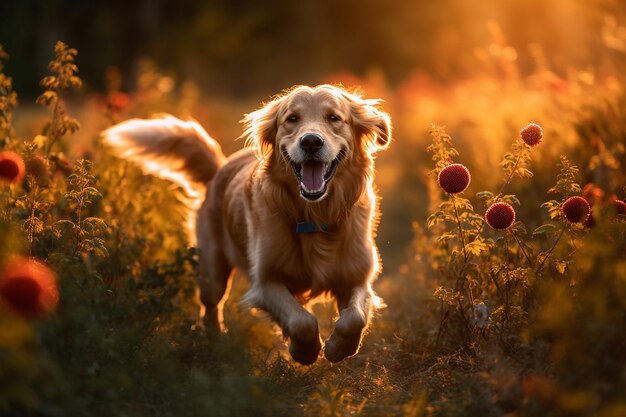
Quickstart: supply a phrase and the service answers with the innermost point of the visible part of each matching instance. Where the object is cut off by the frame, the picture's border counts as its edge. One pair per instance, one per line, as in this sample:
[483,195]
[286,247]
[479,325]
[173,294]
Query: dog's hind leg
[355,309]
[214,280]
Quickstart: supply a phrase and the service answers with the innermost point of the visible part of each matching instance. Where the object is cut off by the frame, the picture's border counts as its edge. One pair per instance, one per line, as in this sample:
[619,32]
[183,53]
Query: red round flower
[620,207]
[454,178]
[11,167]
[500,216]
[576,209]
[531,134]
[29,288]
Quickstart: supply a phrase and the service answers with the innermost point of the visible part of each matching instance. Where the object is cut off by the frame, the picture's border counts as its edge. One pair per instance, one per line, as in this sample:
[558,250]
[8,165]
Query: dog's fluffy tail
[177,150]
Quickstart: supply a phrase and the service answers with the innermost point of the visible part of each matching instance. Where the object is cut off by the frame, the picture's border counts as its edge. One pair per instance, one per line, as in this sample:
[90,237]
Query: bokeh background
[257,48]
[123,340]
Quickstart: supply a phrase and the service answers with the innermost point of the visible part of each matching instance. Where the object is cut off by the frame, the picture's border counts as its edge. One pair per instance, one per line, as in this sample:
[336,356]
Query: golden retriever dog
[295,210]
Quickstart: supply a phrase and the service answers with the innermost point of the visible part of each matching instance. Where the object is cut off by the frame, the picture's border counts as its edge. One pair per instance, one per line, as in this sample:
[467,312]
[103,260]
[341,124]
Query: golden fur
[254,199]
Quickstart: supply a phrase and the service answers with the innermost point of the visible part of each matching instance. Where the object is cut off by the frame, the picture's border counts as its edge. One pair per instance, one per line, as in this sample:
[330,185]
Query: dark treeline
[241,47]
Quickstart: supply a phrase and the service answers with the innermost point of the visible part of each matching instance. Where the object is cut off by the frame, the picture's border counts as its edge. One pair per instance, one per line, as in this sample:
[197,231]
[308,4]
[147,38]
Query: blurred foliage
[8,101]
[124,340]
[542,338]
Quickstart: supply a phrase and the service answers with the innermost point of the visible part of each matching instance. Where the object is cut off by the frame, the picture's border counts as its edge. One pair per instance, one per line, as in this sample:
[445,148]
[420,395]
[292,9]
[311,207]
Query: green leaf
[64,223]
[464,203]
[519,229]
[477,247]
[47,98]
[511,199]
[34,225]
[545,228]
[525,173]
[98,245]
[446,236]
[94,224]
[433,219]
[484,195]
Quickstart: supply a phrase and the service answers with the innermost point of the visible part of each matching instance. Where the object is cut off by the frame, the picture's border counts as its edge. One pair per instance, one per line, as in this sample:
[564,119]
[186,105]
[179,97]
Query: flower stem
[7,212]
[550,251]
[508,180]
[494,278]
[510,177]
[458,221]
[530,262]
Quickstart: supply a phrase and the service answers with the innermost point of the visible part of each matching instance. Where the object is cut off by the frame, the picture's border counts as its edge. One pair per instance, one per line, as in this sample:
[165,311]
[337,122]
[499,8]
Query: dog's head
[314,131]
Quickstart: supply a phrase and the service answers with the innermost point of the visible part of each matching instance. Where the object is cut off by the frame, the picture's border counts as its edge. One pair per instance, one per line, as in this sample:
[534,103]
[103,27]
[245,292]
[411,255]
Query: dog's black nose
[311,142]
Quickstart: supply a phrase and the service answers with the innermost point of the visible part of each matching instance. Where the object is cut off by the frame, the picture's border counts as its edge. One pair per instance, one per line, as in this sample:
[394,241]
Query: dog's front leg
[296,322]
[355,308]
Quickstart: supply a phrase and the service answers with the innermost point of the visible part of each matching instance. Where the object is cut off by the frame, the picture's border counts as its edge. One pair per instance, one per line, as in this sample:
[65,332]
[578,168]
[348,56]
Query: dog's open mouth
[314,177]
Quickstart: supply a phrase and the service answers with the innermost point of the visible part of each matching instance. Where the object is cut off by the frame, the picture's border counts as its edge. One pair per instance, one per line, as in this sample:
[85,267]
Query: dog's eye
[334,118]
[292,118]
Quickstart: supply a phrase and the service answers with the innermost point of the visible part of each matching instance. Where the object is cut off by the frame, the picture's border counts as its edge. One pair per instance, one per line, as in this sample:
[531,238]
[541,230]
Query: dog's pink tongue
[313,175]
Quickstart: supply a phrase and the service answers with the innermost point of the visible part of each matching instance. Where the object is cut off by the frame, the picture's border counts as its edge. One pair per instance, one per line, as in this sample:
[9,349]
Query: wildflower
[11,167]
[620,207]
[576,209]
[500,216]
[481,315]
[28,287]
[454,178]
[531,134]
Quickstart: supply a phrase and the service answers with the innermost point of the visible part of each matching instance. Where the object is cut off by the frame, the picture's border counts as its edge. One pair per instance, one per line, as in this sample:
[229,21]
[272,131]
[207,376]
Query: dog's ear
[261,127]
[371,125]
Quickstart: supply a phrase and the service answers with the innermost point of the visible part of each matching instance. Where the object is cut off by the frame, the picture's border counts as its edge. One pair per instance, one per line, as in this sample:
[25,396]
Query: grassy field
[526,321]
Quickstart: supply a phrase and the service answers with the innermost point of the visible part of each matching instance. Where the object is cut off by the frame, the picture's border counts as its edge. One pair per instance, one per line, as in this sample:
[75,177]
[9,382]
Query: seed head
[11,167]
[576,209]
[531,134]
[500,216]
[28,288]
[454,178]
[620,207]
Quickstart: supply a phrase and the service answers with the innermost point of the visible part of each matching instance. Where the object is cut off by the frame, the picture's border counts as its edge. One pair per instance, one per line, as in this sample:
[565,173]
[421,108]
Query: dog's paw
[305,353]
[346,337]
[305,343]
[339,347]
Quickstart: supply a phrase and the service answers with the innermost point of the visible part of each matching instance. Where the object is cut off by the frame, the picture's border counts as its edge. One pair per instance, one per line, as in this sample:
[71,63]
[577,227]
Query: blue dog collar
[307,227]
